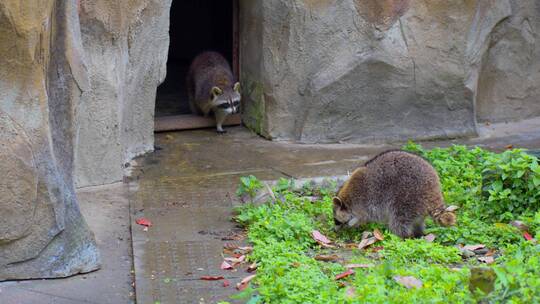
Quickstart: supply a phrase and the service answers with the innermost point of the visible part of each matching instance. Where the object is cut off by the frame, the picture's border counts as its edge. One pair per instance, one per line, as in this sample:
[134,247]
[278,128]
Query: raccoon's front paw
[220,132]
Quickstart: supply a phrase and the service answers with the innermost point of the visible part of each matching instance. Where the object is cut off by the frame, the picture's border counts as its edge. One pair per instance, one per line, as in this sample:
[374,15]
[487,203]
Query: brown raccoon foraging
[395,188]
[211,87]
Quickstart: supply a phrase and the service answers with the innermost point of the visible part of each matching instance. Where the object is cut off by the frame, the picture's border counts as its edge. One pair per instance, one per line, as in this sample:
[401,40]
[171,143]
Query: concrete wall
[368,71]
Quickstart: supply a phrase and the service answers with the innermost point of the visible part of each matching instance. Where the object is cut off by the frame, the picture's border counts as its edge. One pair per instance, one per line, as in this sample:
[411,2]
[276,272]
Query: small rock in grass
[481,251]
[466,253]
[482,278]
[519,225]
[408,281]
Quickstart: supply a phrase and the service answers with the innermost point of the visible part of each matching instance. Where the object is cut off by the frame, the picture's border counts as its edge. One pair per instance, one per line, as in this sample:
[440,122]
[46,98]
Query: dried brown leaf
[487,259]
[474,247]
[326,258]
[211,278]
[430,238]
[252,267]
[366,242]
[236,261]
[319,237]
[378,235]
[245,282]
[408,281]
[226,266]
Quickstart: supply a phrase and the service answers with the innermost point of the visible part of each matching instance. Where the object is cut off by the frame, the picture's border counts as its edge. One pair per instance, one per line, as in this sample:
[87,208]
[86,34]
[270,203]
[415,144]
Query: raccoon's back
[403,177]
[207,70]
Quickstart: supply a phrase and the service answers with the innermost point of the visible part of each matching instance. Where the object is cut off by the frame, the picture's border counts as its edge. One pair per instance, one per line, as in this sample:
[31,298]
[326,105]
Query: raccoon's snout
[230,106]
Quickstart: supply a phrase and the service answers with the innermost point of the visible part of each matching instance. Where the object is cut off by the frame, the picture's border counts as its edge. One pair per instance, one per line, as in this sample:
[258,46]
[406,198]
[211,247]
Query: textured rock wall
[509,74]
[42,78]
[370,70]
[126,44]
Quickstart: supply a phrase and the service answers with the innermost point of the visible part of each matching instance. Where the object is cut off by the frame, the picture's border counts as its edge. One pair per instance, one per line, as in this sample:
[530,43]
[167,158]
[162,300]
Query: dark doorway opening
[195,26]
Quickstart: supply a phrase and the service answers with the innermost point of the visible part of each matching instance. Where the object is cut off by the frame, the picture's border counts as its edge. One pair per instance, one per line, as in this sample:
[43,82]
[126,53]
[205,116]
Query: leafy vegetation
[491,190]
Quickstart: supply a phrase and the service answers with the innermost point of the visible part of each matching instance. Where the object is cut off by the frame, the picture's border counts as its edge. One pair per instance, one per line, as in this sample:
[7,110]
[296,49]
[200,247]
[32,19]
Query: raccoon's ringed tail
[443,216]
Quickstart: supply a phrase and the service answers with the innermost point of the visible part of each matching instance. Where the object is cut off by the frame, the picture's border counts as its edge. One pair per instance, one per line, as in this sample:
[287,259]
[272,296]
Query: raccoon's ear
[216,91]
[337,201]
[236,87]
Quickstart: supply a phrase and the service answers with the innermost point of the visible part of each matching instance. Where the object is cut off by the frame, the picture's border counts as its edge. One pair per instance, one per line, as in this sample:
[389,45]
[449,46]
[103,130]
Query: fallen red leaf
[319,237]
[350,266]
[344,274]
[226,283]
[527,236]
[211,278]
[378,235]
[509,147]
[245,282]
[226,266]
[144,222]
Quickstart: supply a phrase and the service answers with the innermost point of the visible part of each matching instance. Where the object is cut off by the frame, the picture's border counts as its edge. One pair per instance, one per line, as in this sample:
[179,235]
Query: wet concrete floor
[186,189]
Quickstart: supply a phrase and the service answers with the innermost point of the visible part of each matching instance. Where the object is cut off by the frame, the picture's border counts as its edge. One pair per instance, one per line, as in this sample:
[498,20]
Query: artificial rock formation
[42,77]
[371,70]
[125,44]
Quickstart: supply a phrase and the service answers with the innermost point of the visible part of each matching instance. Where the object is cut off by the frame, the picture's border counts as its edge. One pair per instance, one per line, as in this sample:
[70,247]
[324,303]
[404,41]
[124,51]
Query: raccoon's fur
[395,188]
[211,87]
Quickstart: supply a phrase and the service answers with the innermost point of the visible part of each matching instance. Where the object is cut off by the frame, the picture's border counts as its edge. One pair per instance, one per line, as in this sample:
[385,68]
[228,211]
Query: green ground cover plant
[491,190]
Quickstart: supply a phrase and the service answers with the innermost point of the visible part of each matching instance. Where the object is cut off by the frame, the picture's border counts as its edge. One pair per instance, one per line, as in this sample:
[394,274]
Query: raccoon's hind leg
[220,118]
[404,227]
[418,228]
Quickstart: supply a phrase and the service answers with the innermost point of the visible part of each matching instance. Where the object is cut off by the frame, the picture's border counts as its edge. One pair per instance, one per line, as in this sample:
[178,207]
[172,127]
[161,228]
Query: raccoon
[395,188]
[211,88]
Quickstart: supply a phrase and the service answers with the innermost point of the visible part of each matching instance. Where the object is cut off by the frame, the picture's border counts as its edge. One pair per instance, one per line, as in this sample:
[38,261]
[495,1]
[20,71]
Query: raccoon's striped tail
[444,216]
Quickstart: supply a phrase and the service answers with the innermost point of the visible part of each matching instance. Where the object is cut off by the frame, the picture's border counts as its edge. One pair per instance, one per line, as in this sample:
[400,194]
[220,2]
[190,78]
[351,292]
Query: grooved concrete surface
[187,190]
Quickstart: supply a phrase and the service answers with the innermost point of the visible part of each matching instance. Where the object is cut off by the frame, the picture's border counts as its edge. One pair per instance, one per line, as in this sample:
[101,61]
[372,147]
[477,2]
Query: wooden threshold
[190,121]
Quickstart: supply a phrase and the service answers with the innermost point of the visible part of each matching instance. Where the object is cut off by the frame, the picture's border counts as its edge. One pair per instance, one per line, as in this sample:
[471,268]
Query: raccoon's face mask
[343,215]
[226,101]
